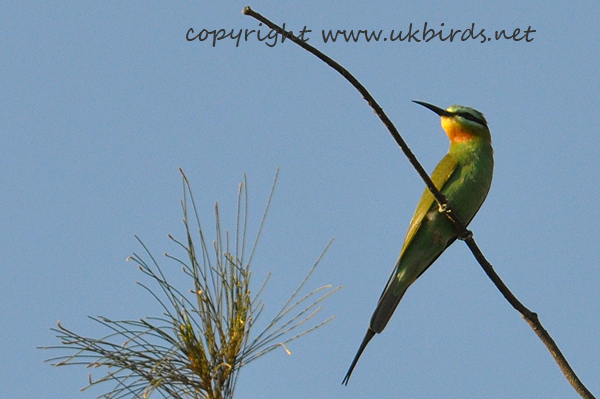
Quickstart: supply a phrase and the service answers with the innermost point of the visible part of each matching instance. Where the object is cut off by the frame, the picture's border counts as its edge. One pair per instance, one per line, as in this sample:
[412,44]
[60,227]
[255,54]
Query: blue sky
[100,103]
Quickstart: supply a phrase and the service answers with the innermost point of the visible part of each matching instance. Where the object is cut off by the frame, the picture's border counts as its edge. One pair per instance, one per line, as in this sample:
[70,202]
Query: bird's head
[461,123]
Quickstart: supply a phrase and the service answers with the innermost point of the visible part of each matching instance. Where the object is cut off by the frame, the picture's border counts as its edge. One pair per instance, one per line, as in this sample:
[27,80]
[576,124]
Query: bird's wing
[441,176]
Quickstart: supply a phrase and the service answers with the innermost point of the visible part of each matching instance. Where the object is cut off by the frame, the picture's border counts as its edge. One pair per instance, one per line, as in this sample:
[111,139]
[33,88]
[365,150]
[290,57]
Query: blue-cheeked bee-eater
[464,176]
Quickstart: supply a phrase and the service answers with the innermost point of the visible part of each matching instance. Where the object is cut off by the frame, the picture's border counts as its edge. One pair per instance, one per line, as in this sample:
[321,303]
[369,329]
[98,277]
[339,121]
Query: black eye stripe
[471,117]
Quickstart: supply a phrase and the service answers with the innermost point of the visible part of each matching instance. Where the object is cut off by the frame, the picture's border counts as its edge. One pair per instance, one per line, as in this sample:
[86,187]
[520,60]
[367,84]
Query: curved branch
[462,233]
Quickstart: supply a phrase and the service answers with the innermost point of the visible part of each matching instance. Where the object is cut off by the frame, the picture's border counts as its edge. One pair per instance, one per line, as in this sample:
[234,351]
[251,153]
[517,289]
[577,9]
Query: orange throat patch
[455,132]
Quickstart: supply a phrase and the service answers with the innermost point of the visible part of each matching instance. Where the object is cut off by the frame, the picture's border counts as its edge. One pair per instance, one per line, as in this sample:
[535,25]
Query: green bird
[464,176]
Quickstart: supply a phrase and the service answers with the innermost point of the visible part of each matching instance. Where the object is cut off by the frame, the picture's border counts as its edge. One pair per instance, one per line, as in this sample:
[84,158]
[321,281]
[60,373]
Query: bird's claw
[466,235]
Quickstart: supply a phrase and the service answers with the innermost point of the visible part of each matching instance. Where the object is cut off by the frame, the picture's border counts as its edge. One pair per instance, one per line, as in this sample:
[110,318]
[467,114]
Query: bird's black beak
[437,110]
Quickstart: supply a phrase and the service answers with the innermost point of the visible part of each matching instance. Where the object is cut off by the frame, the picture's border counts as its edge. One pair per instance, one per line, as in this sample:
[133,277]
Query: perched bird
[464,176]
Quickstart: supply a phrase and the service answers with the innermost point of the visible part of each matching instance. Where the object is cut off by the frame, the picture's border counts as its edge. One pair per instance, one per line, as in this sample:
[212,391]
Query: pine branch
[205,335]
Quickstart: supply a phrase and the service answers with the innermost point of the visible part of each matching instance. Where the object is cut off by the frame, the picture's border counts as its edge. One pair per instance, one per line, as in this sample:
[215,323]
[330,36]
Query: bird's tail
[370,334]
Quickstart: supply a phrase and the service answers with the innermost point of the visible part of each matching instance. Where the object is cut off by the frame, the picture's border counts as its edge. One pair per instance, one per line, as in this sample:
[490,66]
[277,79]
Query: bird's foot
[466,235]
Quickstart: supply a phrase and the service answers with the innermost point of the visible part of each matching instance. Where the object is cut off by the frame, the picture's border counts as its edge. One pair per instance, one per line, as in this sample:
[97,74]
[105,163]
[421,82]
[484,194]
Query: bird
[464,176]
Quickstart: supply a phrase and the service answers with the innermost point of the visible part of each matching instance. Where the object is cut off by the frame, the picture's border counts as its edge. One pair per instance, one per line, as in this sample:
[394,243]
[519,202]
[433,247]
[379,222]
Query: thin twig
[440,198]
[461,231]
